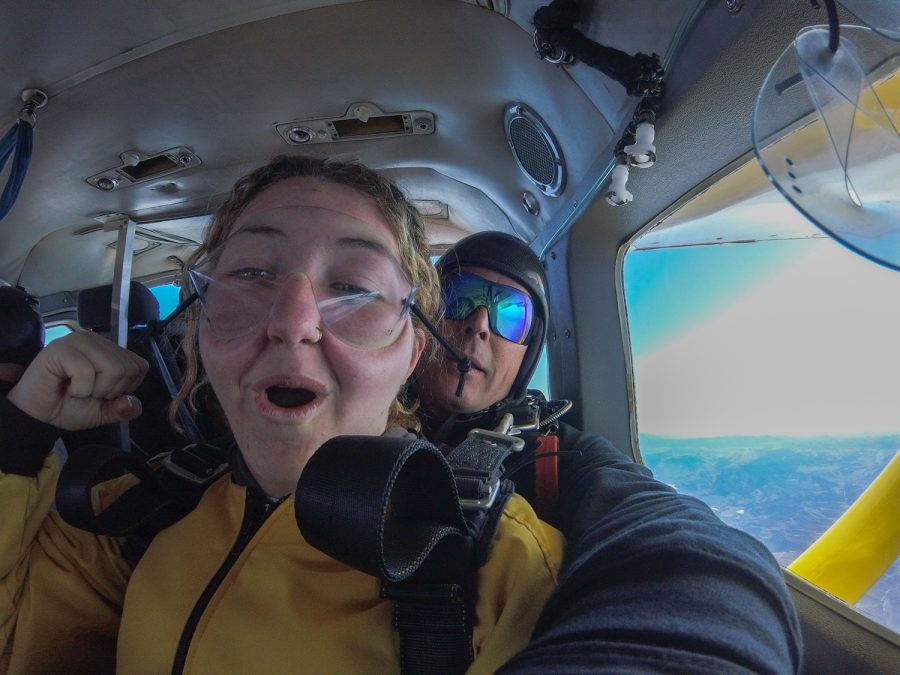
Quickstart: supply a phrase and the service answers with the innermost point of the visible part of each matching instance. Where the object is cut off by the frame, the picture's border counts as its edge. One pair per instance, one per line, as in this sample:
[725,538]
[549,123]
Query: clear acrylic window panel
[55,332]
[764,358]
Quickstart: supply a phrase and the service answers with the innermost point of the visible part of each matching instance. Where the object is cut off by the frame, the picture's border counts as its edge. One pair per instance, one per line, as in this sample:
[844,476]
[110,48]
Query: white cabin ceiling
[216,77]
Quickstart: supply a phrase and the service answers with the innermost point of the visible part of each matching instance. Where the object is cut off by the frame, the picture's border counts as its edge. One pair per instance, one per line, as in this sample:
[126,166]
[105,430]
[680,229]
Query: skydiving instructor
[653,580]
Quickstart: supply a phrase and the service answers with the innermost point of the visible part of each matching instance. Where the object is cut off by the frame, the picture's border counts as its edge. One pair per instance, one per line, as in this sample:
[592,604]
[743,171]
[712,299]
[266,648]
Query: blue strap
[19,139]
[8,144]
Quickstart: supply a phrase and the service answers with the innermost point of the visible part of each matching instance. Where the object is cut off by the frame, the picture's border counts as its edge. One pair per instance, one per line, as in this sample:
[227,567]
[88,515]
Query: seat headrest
[94,307]
[21,327]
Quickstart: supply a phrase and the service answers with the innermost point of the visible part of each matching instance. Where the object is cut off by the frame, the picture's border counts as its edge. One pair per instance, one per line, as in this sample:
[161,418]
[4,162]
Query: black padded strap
[390,507]
[379,504]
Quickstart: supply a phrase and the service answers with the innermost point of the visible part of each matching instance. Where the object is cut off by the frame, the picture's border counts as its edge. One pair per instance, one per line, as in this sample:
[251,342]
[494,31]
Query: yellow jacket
[70,603]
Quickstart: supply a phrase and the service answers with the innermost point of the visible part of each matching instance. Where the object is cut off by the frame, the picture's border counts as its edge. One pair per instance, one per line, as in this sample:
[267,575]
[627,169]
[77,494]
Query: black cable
[834,26]
[183,305]
[158,326]
[463,363]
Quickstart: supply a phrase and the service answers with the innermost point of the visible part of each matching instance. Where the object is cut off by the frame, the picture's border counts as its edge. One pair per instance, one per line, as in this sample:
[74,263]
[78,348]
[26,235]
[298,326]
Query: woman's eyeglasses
[361,295]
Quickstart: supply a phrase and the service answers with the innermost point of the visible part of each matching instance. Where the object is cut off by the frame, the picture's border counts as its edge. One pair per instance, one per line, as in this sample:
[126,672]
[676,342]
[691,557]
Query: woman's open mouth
[289,397]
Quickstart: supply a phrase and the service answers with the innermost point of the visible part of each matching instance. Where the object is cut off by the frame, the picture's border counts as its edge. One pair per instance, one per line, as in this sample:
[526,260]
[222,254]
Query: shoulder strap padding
[381,505]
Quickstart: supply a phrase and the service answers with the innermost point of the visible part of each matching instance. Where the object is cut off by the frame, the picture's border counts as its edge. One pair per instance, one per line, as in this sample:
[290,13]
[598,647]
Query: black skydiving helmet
[21,327]
[512,257]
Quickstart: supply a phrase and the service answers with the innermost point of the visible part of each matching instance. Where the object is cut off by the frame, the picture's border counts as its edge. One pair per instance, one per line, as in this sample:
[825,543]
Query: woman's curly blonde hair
[402,219]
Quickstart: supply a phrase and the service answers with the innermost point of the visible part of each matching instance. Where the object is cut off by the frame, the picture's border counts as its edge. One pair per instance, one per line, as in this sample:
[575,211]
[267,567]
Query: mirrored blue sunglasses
[510,311]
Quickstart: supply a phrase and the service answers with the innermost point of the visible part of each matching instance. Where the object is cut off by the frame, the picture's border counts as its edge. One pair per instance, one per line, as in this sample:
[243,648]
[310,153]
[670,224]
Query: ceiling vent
[535,148]
[137,167]
[361,121]
[431,208]
[145,239]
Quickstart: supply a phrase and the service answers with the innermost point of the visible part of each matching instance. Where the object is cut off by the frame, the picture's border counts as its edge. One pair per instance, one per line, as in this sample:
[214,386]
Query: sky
[793,338]
[167,296]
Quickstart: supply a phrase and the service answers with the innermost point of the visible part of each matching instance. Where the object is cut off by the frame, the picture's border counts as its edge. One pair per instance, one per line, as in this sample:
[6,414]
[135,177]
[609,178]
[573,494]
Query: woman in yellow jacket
[301,337]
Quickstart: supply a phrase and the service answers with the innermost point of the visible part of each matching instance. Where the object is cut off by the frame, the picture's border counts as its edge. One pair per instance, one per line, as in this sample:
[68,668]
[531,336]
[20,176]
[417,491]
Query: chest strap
[170,486]
[420,521]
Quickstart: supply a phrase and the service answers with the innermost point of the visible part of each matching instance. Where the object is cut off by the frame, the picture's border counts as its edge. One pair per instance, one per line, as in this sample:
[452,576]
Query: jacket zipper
[256,509]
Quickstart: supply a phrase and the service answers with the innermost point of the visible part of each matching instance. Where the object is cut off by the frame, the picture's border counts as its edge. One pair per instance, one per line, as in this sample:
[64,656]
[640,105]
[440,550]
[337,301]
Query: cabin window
[55,332]
[167,297]
[541,378]
[765,363]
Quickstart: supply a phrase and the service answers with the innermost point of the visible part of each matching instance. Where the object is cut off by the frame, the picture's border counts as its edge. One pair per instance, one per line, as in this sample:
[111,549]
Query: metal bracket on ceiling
[32,100]
[499,6]
[550,53]
[137,167]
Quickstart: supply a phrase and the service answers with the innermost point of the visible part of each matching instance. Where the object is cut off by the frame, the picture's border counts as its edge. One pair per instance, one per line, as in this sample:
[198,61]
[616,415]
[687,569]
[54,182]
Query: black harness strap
[435,624]
[423,523]
[436,621]
[170,487]
[477,465]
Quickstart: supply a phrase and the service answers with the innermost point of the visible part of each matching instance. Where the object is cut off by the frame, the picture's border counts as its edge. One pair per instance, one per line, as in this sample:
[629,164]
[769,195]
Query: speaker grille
[535,149]
[532,151]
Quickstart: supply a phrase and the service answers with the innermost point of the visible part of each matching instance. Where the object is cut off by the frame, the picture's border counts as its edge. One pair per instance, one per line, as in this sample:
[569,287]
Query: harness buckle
[498,440]
[488,482]
[198,463]
[492,486]
[533,425]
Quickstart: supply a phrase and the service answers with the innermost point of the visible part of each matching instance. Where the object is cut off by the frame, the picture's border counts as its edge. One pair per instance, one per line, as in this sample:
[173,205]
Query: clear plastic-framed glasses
[361,293]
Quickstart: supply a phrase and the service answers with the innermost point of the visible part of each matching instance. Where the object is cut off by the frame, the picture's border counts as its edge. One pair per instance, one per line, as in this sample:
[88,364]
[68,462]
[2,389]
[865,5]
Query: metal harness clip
[500,446]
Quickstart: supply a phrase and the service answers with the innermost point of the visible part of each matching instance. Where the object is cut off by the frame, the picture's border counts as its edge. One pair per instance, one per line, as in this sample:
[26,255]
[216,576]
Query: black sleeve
[655,582]
[26,442]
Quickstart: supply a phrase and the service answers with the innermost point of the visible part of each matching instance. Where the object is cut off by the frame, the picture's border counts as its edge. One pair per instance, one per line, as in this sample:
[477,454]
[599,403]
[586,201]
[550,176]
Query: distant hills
[784,490]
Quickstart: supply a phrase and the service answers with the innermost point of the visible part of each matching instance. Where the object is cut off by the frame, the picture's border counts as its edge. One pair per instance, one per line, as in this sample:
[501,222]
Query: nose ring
[319,335]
